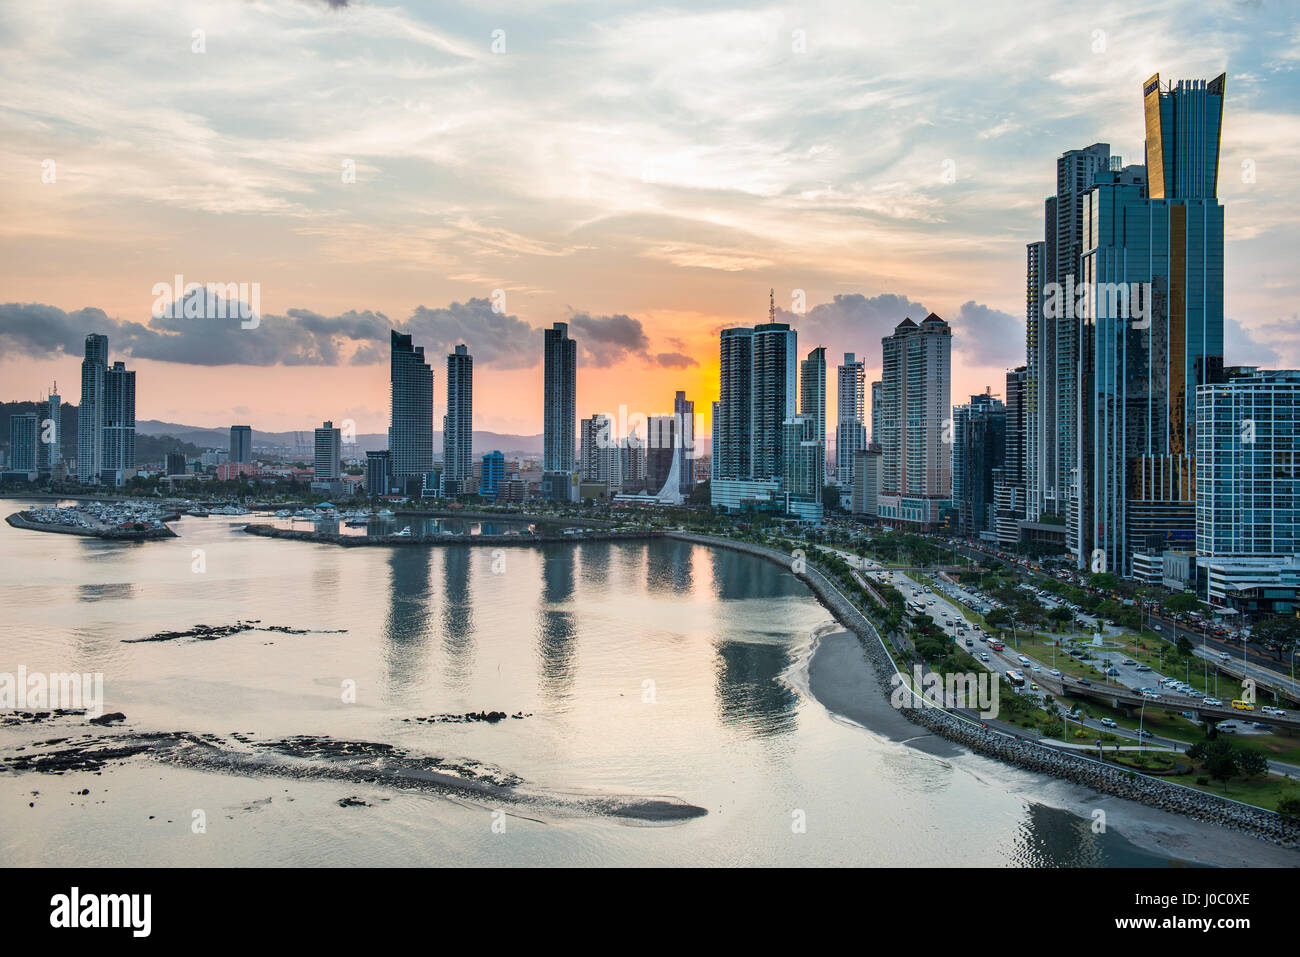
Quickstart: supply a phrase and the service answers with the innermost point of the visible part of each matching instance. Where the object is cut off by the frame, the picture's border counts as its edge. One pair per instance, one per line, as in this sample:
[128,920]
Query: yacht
[404,533]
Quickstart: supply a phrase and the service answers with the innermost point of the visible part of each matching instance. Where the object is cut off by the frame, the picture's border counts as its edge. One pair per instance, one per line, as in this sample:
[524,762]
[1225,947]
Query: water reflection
[457,616]
[668,567]
[114,592]
[750,695]
[556,627]
[406,629]
[1052,837]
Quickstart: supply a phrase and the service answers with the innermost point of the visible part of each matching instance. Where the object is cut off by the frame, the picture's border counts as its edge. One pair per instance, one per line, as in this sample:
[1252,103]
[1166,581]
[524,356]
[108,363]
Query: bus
[1016,678]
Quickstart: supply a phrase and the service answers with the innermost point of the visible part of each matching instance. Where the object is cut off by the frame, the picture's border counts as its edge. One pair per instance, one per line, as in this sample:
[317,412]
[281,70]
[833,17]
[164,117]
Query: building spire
[771,305]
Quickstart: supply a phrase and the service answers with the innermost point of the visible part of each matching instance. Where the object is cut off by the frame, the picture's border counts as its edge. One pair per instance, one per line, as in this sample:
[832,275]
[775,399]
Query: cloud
[985,336]
[852,322]
[1271,345]
[675,360]
[608,340]
[300,337]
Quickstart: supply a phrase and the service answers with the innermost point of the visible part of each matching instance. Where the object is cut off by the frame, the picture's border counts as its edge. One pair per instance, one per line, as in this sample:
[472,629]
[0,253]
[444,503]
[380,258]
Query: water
[644,669]
[419,525]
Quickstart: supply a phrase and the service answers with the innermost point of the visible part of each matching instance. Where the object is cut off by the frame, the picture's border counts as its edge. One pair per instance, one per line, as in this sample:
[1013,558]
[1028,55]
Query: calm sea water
[643,669]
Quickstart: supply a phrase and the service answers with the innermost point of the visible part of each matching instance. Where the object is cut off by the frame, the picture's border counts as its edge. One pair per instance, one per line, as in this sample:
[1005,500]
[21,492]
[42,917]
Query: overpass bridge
[1126,699]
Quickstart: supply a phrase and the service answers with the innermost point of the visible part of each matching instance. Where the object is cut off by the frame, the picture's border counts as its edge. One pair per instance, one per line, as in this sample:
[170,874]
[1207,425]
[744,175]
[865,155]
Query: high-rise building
[1151,331]
[865,501]
[812,405]
[850,433]
[600,457]
[241,444]
[1010,482]
[50,427]
[176,463]
[759,388]
[877,390]
[1057,347]
[378,475]
[90,413]
[329,452]
[119,422]
[559,411]
[1039,384]
[804,467]
[458,423]
[684,410]
[23,439]
[979,439]
[494,474]
[410,432]
[1248,491]
[915,423]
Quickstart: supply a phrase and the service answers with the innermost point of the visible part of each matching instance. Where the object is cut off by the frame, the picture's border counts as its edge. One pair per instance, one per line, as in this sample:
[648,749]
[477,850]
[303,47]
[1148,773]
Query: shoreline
[383,541]
[1019,753]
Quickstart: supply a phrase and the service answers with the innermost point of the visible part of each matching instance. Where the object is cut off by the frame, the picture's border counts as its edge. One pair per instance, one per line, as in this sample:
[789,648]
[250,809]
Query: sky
[646,173]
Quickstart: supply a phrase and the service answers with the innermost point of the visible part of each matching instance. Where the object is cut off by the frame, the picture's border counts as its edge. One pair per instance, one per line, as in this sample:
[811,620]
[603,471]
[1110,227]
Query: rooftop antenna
[771,305]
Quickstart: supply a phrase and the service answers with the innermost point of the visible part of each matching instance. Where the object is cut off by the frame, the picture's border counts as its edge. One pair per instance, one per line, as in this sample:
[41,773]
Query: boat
[197,512]
[283,513]
[404,533]
[385,513]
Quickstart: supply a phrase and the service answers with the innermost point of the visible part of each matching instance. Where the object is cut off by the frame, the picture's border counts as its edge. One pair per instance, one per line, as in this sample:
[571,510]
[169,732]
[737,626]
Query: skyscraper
[90,413]
[329,451]
[50,427]
[850,433]
[410,432]
[23,439]
[559,410]
[241,444]
[684,411]
[1151,333]
[812,405]
[458,423]
[915,423]
[979,437]
[773,390]
[119,422]
[1010,482]
[733,448]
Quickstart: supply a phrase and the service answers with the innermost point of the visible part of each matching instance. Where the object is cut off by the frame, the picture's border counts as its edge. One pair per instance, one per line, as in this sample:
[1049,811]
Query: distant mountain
[484,442]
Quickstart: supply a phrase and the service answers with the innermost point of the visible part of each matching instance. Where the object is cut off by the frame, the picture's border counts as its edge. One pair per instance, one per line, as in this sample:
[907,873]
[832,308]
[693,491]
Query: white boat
[283,513]
[385,513]
[404,532]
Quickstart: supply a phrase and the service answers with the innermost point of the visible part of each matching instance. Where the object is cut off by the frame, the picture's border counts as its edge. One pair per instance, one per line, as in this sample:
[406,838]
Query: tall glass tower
[410,432]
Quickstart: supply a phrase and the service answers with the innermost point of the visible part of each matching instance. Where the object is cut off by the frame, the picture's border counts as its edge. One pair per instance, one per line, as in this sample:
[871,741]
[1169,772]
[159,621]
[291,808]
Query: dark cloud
[852,323]
[987,337]
[675,360]
[210,333]
[608,340]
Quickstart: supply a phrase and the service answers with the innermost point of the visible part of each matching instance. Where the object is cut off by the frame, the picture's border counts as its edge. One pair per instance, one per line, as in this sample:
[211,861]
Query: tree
[1103,580]
[1181,604]
[1280,634]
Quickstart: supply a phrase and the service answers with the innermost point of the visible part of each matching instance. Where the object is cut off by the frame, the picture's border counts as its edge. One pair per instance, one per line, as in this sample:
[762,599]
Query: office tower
[877,389]
[599,456]
[50,428]
[1010,482]
[1152,331]
[1054,340]
[1248,491]
[241,444]
[713,445]
[850,433]
[458,423]
[494,474]
[559,411]
[979,439]
[119,422]
[176,463]
[329,451]
[90,413]
[23,439]
[915,423]
[660,451]
[410,430]
[865,500]
[684,410]
[378,475]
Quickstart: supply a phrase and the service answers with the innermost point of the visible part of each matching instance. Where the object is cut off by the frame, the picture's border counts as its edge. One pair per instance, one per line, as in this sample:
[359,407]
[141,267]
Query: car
[1144,733]
[1144,668]
[1239,705]
[1261,724]
[1151,696]
[1112,672]
[1213,702]
[1022,659]
[1033,686]
[984,656]
[1038,670]
[1086,682]
[1109,722]
[1129,661]
[1228,728]
[1056,673]
[1223,656]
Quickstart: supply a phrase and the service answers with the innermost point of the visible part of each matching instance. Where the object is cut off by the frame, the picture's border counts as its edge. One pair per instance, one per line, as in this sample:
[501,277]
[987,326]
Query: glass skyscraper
[410,432]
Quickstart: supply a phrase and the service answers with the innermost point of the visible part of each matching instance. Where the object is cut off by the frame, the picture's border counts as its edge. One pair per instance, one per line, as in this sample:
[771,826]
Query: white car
[1109,722]
[1213,702]
[1023,660]
[1055,673]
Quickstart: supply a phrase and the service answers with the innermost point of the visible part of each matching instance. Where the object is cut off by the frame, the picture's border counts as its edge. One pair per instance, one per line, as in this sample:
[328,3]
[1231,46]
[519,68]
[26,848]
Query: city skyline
[886,235]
